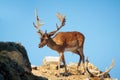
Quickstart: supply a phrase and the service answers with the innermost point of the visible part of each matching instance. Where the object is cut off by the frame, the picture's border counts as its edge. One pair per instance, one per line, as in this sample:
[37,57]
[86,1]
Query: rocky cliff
[14,63]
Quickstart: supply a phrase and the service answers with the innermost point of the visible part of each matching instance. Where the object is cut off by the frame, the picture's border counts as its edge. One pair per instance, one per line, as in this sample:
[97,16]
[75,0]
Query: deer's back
[69,39]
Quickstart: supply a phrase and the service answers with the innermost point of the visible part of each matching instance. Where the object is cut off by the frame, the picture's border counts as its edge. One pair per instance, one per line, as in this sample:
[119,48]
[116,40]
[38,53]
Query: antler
[91,74]
[38,23]
[99,74]
[62,23]
[108,70]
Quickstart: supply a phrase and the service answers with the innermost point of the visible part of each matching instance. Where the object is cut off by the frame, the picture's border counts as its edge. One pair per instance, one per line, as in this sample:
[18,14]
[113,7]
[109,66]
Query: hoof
[62,74]
[66,74]
[57,75]
[83,73]
[80,72]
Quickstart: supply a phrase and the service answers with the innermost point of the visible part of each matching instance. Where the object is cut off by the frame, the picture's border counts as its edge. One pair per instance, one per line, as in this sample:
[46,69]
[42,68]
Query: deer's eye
[42,39]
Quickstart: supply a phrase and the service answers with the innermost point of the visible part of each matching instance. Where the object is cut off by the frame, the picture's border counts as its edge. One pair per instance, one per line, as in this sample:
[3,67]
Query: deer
[61,42]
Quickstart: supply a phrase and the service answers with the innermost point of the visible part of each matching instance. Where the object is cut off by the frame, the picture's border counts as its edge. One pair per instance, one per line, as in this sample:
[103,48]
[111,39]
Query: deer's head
[44,36]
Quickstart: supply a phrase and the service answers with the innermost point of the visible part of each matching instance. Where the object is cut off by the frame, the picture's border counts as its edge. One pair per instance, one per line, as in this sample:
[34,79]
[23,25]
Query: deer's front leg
[60,59]
[66,72]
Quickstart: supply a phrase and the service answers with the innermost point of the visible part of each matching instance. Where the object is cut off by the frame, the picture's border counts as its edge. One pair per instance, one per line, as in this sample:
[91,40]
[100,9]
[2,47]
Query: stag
[62,41]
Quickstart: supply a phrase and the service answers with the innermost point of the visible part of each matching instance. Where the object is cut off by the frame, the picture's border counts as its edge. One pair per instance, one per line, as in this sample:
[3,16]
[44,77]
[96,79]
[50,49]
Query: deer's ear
[47,34]
[50,34]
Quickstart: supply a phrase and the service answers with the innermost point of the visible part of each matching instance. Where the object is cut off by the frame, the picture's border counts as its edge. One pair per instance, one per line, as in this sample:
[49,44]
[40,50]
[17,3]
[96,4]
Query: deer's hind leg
[81,60]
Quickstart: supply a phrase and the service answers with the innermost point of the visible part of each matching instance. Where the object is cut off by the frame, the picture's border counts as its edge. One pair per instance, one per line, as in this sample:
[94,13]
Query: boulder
[17,53]
[14,63]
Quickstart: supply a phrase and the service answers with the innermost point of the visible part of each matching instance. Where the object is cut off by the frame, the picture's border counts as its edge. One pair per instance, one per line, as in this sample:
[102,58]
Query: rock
[14,63]
[1,77]
[50,60]
[17,53]
[10,69]
[52,74]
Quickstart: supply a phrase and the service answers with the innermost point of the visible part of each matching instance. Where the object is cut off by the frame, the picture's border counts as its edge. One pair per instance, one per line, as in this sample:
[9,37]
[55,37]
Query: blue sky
[98,20]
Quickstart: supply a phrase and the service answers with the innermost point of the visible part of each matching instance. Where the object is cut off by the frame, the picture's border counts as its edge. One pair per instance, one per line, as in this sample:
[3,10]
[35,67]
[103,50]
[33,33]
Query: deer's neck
[53,45]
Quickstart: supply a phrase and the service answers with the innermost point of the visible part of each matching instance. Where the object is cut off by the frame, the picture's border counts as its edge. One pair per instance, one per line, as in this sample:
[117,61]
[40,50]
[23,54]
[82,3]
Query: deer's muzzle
[40,46]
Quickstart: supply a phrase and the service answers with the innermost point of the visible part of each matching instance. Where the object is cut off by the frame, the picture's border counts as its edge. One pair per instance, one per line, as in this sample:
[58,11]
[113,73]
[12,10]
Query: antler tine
[62,20]
[108,70]
[62,23]
[87,62]
[38,23]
